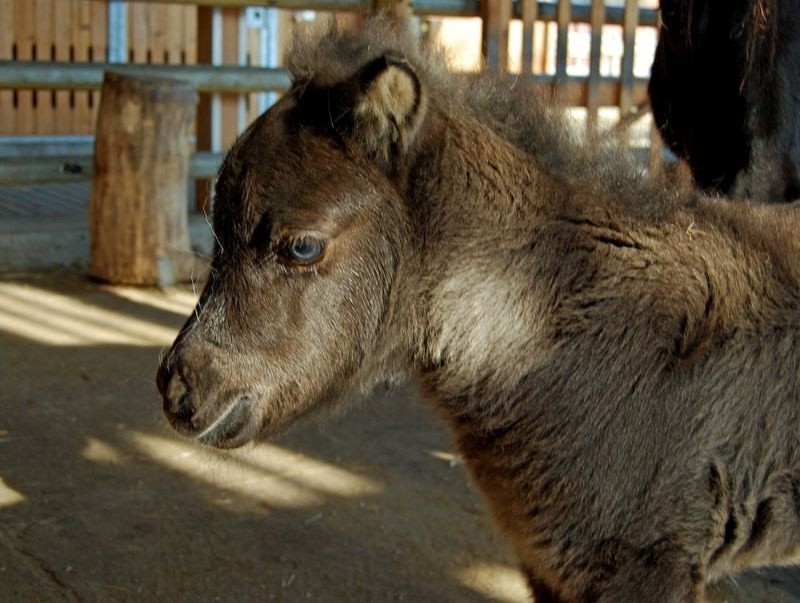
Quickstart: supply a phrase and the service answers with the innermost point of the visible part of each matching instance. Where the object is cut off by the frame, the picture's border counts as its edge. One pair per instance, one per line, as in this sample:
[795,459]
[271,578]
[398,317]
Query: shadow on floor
[100,501]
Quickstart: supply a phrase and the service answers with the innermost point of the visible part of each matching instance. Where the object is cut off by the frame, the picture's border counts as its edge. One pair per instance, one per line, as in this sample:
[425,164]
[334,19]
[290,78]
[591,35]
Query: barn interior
[99,499]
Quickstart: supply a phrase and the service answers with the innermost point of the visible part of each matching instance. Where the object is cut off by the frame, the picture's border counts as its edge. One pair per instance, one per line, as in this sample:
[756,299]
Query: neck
[480,202]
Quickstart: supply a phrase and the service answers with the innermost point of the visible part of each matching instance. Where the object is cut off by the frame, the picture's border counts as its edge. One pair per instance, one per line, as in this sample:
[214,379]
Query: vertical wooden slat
[174,33]
[230,56]
[62,17]
[284,33]
[541,41]
[99,31]
[656,151]
[137,33]
[596,21]
[630,22]
[7,111]
[530,11]
[496,16]
[156,33]
[203,133]
[43,109]
[25,30]
[99,45]
[254,58]
[82,36]
[563,17]
[253,46]
[242,52]
[189,38]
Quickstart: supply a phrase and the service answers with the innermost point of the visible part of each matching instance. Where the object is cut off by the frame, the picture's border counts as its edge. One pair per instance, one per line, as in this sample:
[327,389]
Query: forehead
[285,167]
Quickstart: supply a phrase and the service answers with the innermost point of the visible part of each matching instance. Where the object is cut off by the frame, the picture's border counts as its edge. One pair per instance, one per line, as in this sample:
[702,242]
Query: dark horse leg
[659,574]
[541,592]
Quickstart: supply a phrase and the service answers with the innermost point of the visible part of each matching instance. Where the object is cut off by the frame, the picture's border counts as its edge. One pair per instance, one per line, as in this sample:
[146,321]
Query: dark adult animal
[618,364]
[723,90]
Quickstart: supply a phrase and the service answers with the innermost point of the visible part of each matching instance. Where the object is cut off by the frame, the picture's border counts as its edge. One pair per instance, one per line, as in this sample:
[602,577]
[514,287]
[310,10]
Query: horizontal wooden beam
[573,91]
[320,5]
[73,168]
[89,76]
[442,8]
[28,170]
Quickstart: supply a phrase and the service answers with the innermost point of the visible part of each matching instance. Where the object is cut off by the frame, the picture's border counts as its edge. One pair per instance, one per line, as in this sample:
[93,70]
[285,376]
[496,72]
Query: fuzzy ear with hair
[389,108]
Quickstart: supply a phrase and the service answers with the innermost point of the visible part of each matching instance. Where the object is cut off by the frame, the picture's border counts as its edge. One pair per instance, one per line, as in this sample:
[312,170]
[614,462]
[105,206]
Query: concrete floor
[46,225]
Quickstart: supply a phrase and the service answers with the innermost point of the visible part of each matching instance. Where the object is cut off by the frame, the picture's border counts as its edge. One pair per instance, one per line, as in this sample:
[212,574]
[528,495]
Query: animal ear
[390,107]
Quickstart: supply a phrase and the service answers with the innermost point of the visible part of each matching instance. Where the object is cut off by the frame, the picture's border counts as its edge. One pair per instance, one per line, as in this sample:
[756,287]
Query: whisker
[194,292]
[194,252]
[205,214]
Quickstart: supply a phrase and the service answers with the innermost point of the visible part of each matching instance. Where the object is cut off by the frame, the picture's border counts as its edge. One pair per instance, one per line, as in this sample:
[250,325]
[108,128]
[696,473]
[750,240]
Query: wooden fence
[75,31]
[53,52]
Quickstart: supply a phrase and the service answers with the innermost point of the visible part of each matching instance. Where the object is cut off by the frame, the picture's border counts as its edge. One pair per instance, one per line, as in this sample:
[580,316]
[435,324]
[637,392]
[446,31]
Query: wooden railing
[51,70]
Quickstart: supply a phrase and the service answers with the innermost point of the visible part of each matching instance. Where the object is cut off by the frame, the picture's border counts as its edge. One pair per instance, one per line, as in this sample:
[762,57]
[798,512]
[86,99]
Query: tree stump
[138,210]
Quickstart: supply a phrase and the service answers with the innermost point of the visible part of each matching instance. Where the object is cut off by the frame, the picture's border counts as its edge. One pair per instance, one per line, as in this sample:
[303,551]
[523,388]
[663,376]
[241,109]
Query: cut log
[138,210]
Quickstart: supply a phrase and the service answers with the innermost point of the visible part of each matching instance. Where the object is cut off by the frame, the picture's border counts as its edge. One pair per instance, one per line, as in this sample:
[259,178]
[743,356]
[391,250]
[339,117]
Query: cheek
[330,319]
[366,299]
[342,311]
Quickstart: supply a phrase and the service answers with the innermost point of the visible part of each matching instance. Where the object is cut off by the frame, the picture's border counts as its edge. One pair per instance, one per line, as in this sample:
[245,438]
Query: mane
[512,107]
[761,25]
[758,26]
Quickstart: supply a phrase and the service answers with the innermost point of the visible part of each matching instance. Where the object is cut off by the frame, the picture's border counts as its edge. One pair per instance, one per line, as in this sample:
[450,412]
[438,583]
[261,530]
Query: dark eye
[304,250]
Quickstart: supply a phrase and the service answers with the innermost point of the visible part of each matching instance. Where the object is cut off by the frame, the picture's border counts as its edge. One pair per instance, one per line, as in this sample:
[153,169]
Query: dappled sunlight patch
[496,581]
[308,472]
[175,300]
[56,319]
[452,459]
[101,452]
[9,496]
[267,473]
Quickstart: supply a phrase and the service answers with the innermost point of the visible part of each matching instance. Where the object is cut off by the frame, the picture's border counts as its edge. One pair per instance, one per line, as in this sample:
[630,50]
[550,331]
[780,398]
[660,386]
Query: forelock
[327,53]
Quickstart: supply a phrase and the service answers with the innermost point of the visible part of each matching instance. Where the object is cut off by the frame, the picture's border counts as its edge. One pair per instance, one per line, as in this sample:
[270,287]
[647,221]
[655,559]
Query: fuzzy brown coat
[618,363]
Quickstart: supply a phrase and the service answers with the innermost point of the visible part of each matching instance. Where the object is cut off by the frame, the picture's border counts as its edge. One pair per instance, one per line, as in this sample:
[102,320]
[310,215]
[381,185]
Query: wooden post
[597,19]
[630,22]
[25,34]
[229,101]
[563,19]
[496,15]
[218,113]
[7,108]
[400,9]
[138,211]
[530,11]
[204,55]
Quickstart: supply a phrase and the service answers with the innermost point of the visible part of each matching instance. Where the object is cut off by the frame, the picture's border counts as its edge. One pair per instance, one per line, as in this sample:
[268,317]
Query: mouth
[233,428]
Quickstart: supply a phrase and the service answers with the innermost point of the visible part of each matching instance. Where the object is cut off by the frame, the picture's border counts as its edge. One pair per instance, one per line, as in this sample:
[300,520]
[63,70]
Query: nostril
[176,399]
